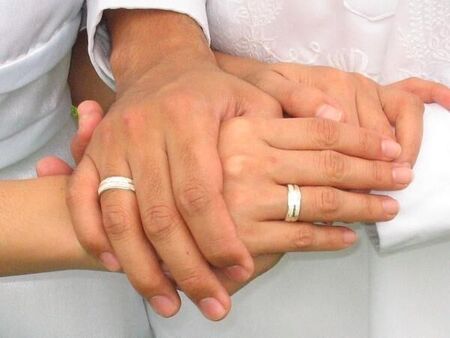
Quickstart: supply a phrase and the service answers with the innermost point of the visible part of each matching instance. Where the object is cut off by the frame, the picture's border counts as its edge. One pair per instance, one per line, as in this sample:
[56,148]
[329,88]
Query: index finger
[321,134]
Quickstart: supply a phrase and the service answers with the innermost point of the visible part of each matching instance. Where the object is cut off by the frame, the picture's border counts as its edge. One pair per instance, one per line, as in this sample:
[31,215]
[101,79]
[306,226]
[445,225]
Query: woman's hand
[326,159]
[305,91]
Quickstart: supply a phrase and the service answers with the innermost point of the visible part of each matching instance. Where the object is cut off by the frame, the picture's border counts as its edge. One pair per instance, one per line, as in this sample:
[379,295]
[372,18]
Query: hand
[257,197]
[304,91]
[165,138]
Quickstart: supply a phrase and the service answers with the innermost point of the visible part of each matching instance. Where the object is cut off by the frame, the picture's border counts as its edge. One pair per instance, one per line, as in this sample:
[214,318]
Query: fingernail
[237,273]
[391,206]
[391,148]
[163,306]
[402,175]
[329,112]
[349,236]
[212,308]
[110,261]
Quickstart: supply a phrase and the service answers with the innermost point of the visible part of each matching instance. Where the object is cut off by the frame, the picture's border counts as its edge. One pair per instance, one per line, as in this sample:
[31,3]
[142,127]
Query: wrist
[146,39]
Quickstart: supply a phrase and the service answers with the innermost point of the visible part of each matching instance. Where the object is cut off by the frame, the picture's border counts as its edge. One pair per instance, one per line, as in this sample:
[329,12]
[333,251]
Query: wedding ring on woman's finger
[294,203]
[116,182]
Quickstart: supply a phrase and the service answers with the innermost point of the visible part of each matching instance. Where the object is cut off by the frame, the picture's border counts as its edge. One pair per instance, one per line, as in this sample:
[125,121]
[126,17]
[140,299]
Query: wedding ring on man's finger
[116,182]
[294,203]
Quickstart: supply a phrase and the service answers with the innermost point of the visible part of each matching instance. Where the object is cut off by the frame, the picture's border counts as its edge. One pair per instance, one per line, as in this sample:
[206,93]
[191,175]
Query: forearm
[144,39]
[36,233]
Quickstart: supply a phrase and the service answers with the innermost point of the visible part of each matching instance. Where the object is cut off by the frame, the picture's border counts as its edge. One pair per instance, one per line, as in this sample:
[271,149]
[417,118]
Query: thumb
[51,166]
[90,114]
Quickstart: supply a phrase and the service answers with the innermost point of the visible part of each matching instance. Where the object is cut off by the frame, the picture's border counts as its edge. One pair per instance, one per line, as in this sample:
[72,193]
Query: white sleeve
[98,39]
[425,205]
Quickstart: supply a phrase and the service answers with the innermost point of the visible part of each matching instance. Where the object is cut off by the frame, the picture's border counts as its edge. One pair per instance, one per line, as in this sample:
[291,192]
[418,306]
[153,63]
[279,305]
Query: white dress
[35,45]
[358,293]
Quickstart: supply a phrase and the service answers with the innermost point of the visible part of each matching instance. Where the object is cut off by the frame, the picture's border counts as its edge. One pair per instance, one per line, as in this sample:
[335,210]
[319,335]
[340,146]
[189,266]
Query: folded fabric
[425,204]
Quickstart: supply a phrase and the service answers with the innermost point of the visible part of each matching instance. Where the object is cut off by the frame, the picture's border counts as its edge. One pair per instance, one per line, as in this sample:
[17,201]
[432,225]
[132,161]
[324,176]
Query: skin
[41,237]
[404,100]
[162,130]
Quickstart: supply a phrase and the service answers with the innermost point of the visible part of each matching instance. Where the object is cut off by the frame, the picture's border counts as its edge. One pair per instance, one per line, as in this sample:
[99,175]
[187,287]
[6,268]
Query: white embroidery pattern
[426,40]
[245,31]
[251,28]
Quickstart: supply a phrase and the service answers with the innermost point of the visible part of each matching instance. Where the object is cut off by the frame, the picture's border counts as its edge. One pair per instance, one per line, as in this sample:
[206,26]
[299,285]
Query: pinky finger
[280,237]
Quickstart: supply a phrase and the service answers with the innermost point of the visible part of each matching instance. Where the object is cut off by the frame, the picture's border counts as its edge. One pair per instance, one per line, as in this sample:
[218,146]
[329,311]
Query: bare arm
[36,234]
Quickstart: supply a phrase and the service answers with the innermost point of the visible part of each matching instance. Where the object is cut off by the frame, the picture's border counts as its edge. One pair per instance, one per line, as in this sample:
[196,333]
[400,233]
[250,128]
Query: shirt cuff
[99,43]
[424,205]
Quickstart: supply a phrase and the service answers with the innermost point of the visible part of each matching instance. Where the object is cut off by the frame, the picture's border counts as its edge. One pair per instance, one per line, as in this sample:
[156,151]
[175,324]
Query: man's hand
[162,131]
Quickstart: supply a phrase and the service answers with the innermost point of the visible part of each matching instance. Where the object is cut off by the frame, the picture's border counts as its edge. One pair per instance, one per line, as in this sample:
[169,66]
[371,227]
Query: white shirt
[35,46]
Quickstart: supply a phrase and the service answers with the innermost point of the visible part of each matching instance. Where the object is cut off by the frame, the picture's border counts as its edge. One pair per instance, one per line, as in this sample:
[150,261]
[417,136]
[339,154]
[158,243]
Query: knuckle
[241,126]
[236,166]
[148,286]
[90,242]
[378,172]
[326,132]
[116,220]
[191,280]
[334,165]
[371,208]
[194,198]
[365,142]
[329,202]
[413,82]
[132,121]
[304,237]
[180,98]
[261,78]
[159,221]
[291,98]
[406,101]
[338,76]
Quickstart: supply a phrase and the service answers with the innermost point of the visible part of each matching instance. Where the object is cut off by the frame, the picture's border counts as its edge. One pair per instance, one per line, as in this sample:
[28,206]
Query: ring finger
[170,236]
[123,227]
[326,204]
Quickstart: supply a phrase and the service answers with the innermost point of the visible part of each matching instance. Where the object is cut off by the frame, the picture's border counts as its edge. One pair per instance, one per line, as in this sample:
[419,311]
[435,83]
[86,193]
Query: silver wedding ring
[294,203]
[115,182]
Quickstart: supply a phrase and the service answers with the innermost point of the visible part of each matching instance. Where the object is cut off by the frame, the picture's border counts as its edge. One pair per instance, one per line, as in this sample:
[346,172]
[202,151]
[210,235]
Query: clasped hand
[203,204]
